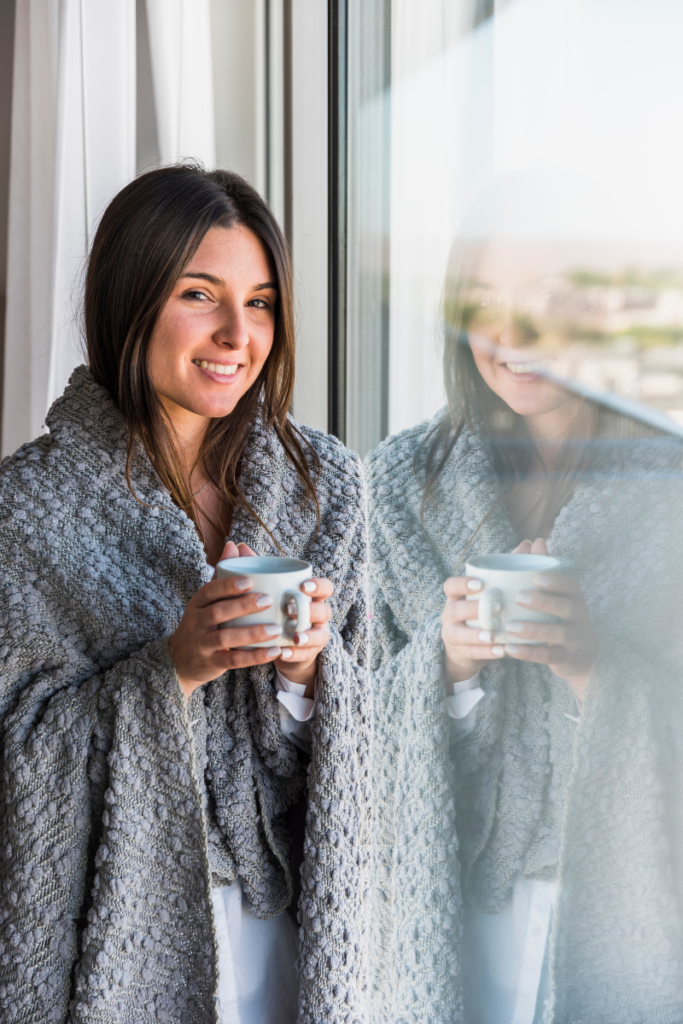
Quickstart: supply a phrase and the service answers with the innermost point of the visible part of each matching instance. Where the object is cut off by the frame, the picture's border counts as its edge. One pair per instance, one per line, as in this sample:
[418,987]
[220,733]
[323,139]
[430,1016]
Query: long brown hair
[472,404]
[147,236]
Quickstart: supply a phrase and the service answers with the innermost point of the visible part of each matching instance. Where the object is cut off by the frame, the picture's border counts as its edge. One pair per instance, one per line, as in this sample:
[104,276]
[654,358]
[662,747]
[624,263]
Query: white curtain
[72,149]
[182,73]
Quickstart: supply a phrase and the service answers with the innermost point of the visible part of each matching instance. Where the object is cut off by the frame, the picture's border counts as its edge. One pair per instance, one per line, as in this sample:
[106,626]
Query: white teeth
[221,368]
[524,367]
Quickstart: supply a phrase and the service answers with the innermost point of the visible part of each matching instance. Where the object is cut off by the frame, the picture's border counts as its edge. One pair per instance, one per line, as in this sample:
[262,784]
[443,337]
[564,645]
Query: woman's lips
[521,376]
[230,371]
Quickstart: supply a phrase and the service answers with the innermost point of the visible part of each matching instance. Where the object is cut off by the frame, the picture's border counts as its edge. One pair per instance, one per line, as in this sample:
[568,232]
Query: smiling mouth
[225,369]
[523,367]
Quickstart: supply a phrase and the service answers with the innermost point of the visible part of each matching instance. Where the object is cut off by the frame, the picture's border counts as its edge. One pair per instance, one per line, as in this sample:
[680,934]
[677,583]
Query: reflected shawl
[105,852]
[597,804]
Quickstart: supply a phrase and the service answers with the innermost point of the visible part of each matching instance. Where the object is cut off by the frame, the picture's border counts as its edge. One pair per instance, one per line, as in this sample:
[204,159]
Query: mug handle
[303,609]
[487,620]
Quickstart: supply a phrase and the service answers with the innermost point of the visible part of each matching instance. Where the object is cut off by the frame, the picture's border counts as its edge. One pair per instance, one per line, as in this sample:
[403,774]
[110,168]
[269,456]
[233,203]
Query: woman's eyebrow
[219,280]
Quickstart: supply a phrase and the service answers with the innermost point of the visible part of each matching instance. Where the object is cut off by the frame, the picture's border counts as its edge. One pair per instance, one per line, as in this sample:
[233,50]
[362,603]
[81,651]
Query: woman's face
[503,343]
[216,330]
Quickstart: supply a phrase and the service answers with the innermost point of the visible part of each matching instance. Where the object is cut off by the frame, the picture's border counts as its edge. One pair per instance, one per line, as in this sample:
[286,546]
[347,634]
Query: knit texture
[106,853]
[595,804]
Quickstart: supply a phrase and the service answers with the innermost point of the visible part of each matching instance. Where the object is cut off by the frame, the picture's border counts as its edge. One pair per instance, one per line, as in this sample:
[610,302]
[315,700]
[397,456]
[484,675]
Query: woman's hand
[202,652]
[467,648]
[301,664]
[570,643]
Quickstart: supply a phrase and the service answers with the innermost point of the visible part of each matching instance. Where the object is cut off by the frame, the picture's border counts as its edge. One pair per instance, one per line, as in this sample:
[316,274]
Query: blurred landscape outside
[607,318]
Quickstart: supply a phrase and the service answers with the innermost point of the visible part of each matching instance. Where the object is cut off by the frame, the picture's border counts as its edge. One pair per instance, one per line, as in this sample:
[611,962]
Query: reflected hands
[571,643]
[467,648]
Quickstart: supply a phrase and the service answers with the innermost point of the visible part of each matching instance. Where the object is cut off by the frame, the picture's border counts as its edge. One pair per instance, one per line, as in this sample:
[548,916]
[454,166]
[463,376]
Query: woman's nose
[233,331]
[507,336]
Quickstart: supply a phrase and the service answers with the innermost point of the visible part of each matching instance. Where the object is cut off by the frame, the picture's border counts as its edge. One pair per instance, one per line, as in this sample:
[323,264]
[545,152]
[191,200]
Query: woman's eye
[259,304]
[196,295]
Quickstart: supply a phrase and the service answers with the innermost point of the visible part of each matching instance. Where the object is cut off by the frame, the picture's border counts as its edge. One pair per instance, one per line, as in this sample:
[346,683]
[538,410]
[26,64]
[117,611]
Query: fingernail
[486,637]
[273,630]
[511,649]
[526,542]
[286,652]
[291,610]
[243,583]
[273,652]
[309,586]
[514,627]
[300,639]
[263,601]
[474,584]
[523,598]
[542,581]
[498,651]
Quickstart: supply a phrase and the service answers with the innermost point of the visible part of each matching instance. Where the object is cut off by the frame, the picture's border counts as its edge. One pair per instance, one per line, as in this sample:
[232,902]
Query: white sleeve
[296,711]
[579,708]
[461,703]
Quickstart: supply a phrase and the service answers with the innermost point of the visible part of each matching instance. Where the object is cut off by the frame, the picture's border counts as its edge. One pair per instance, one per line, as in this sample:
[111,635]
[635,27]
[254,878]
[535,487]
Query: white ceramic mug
[503,577]
[279,577]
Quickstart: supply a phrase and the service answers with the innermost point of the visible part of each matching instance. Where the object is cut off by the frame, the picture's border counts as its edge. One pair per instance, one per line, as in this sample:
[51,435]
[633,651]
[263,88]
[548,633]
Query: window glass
[515,382]
[549,127]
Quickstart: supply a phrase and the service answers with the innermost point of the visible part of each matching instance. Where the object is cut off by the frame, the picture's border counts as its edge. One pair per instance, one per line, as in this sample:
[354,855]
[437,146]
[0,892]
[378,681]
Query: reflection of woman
[528,799]
[150,792]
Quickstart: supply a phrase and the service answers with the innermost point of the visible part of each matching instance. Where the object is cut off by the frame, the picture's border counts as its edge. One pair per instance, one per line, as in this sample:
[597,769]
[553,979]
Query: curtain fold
[182,74]
[73,148]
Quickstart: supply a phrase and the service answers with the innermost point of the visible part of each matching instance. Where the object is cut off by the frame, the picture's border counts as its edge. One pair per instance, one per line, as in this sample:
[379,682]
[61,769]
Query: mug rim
[245,564]
[520,562]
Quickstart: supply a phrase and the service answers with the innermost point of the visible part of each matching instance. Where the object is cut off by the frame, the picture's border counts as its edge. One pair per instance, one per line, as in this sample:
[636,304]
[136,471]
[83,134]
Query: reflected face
[216,330]
[503,343]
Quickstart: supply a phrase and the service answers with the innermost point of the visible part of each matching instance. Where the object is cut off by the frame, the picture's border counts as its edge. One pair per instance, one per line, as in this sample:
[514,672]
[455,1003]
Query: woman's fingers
[540,655]
[483,653]
[318,589]
[237,636]
[461,586]
[232,550]
[308,645]
[551,604]
[319,612]
[221,590]
[560,635]
[457,635]
[222,661]
[462,611]
[217,612]
[554,583]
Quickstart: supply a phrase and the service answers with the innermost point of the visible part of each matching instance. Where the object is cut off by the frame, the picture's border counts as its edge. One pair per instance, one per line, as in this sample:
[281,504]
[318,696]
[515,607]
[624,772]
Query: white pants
[256,960]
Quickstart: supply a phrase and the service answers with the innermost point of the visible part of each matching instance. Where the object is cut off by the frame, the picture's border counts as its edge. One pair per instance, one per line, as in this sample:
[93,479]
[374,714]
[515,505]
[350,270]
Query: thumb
[229,551]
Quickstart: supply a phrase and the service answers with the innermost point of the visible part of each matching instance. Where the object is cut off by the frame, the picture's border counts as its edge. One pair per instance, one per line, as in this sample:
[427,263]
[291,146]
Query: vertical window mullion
[337,213]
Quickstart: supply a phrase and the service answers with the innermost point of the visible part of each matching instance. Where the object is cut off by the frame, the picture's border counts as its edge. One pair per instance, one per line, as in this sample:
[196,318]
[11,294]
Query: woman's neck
[190,430]
[550,430]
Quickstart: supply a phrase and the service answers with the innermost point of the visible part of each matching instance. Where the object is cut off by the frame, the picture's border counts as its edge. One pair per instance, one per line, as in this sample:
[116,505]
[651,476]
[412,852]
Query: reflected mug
[279,577]
[503,577]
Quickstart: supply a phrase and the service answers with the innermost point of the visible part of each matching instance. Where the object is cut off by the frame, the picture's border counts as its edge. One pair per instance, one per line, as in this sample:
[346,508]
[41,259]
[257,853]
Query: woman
[528,840]
[150,790]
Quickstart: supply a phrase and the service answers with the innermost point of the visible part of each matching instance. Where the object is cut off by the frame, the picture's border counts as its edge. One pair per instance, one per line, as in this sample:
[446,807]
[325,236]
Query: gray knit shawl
[598,804]
[105,908]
